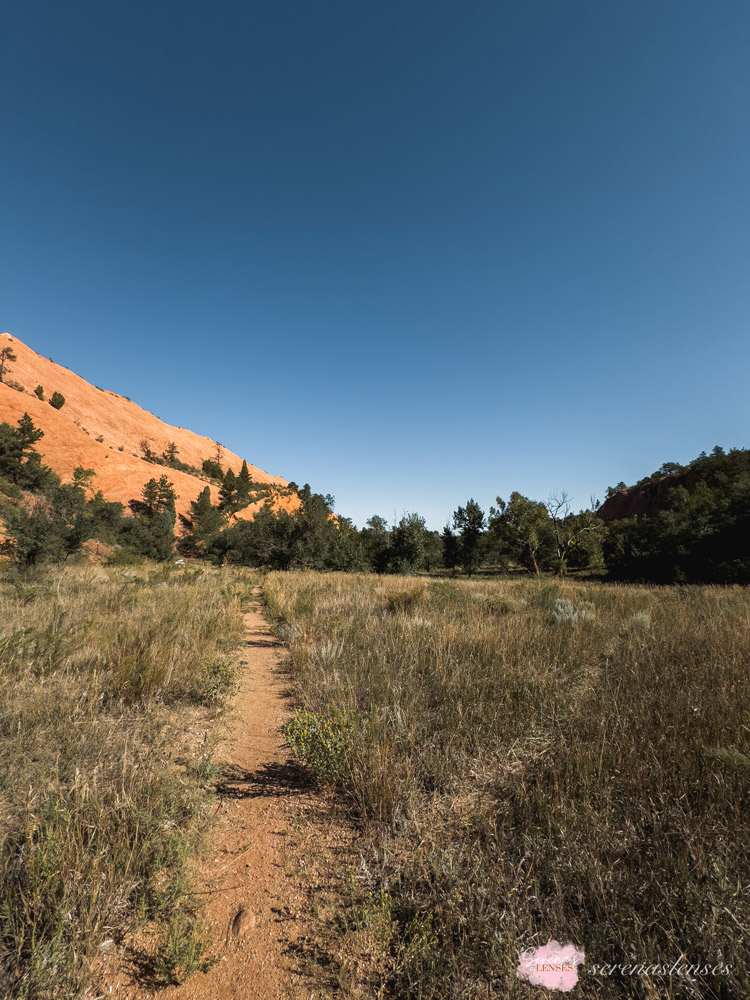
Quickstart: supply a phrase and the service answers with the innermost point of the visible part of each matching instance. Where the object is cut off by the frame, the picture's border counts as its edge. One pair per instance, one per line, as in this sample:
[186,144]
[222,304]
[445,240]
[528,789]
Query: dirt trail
[248,878]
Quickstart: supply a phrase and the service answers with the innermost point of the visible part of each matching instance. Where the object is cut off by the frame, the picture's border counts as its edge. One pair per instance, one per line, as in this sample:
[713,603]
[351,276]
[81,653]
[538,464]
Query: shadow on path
[269,780]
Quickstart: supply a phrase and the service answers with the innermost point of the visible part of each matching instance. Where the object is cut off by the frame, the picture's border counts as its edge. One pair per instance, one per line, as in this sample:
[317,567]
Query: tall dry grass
[529,760]
[100,669]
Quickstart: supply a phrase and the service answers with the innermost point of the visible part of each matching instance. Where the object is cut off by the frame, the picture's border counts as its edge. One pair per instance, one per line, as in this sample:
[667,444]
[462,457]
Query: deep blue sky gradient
[406,251]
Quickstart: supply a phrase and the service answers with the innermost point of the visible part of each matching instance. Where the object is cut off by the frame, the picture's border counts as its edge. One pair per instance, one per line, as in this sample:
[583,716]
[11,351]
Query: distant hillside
[651,495]
[102,430]
[683,525]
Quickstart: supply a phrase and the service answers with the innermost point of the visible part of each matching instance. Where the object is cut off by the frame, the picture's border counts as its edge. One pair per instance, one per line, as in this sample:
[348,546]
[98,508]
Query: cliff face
[101,430]
[647,499]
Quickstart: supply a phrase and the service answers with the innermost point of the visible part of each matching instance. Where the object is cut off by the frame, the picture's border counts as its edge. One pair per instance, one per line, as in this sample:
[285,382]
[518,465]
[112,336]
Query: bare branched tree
[570,529]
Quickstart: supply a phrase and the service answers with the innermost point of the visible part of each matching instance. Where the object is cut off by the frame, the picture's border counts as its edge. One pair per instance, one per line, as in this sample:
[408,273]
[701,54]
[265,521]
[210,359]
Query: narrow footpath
[251,876]
[252,897]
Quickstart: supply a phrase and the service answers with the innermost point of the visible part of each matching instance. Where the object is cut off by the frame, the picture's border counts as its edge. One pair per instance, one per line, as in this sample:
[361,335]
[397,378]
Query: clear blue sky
[410,252]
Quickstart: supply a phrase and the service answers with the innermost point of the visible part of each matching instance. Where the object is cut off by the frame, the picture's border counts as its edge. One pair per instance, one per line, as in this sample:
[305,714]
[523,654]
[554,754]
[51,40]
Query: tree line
[702,534]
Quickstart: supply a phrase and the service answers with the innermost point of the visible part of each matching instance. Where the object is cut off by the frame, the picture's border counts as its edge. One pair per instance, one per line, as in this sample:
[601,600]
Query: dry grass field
[104,675]
[528,760]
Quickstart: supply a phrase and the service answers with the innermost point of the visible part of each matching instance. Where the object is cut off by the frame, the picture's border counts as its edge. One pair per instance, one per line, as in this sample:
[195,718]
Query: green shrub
[181,953]
[125,557]
[323,744]
[39,391]
[57,400]
[217,679]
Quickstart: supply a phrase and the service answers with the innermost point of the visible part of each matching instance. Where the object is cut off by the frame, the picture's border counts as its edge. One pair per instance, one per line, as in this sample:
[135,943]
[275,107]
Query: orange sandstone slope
[101,430]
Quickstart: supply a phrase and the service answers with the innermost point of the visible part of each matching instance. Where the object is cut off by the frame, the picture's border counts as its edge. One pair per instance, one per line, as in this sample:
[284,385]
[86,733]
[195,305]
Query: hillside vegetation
[106,676]
[528,760]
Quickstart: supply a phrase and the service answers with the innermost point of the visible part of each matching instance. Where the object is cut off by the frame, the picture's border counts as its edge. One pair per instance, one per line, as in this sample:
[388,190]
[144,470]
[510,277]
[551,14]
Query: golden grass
[100,670]
[530,760]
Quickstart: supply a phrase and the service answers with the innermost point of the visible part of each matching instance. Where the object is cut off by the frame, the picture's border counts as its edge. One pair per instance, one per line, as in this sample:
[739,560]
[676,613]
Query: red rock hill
[101,430]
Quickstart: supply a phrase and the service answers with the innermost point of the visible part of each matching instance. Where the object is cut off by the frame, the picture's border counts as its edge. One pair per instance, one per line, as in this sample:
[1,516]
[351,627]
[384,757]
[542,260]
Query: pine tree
[469,522]
[206,521]
[28,434]
[228,492]
[156,513]
[244,484]
[6,355]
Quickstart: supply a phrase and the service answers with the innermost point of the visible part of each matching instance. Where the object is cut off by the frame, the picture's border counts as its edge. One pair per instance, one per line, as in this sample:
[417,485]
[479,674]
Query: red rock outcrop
[102,430]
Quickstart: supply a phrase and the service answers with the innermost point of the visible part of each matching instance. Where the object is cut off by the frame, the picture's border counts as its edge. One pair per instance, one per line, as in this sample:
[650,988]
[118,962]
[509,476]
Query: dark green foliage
[265,541]
[39,391]
[19,462]
[228,492]
[151,531]
[244,485]
[61,516]
[38,534]
[522,528]
[213,470]
[469,523]
[376,543]
[308,538]
[408,550]
[450,548]
[203,525]
[703,534]
[6,356]
[57,400]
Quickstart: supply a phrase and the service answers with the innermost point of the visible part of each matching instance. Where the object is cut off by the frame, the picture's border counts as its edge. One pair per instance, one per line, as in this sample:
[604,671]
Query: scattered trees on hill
[44,519]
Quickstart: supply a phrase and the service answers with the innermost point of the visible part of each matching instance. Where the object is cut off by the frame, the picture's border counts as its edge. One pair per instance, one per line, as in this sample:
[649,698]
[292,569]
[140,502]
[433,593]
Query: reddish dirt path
[248,877]
[247,917]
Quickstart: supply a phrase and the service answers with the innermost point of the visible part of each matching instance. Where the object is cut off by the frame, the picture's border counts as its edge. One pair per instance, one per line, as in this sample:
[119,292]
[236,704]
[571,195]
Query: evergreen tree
[6,356]
[408,544]
[203,525]
[450,549]
[57,400]
[244,485]
[19,462]
[152,534]
[228,492]
[376,542]
[469,523]
[213,470]
[28,434]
